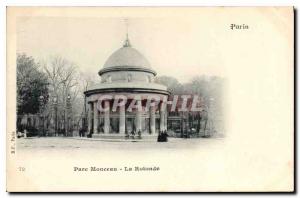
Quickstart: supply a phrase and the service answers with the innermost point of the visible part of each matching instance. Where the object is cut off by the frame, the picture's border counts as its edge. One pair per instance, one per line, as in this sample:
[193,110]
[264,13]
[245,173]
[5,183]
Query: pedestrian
[25,133]
[140,134]
[159,138]
[165,136]
[81,132]
[132,134]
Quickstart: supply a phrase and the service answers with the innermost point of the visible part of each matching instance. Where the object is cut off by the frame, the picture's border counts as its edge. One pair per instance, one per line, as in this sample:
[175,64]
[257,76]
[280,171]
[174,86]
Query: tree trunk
[199,124]
[205,127]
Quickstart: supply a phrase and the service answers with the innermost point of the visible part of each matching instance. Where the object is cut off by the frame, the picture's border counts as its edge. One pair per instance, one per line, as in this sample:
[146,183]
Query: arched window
[129,78]
[149,79]
[108,79]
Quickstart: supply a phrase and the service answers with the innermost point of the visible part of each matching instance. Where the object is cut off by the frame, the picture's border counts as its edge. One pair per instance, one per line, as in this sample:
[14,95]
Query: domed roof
[127,56]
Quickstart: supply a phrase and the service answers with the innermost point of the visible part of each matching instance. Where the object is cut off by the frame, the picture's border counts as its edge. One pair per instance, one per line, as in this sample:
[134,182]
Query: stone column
[122,120]
[106,117]
[95,117]
[162,117]
[98,118]
[90,115]
[152,119]
[166,120]
[139,117]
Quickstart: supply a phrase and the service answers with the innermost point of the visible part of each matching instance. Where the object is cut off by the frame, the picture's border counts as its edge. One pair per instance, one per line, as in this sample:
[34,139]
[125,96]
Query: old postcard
[150,99]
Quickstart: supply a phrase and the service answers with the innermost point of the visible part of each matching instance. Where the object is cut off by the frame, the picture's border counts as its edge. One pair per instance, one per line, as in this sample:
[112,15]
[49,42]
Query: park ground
[77,143]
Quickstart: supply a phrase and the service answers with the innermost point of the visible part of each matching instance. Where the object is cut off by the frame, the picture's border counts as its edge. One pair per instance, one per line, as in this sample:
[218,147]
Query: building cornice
[129,90]
[126,68]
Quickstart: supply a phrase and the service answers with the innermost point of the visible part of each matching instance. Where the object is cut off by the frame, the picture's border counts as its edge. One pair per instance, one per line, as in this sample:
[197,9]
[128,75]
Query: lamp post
[68,114]
[41,98]
[55,114]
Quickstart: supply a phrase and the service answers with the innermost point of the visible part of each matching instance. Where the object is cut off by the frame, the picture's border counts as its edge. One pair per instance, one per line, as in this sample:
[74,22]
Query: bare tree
[86,80]
[63,82]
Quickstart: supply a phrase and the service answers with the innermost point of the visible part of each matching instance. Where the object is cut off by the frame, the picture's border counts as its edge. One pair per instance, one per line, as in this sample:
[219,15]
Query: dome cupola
[127,58]
[126,70]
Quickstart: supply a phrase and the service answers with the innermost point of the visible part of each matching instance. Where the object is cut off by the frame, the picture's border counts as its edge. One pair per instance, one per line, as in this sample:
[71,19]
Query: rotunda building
[127,102]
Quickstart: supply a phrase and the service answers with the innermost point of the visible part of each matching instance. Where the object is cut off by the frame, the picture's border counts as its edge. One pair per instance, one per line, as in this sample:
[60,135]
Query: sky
[177,47]
[178,42]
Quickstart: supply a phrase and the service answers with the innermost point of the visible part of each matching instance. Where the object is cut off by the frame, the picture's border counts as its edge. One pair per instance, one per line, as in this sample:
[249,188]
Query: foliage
[171,83]
[209,88]
[31,84]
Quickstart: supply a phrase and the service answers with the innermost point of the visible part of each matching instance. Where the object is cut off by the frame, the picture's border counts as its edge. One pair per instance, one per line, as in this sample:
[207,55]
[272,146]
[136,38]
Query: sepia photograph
[150,99]
[64,99]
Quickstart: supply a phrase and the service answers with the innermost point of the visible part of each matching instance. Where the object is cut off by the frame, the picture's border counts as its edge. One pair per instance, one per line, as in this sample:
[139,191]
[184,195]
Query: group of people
[162,136]
[82,132]
[20,134]
[132,135]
